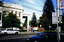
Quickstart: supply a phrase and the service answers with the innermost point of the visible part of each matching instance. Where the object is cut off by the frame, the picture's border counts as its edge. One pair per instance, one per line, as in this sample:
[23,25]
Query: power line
[23,1]
[31,8]
[31,3]
[24,5]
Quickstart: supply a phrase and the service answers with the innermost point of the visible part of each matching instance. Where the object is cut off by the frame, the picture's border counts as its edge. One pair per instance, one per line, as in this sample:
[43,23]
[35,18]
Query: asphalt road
[15,38]
[20,37]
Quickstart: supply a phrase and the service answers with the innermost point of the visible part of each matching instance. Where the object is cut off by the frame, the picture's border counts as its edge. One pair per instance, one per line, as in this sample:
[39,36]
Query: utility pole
[2,12]
[58,10]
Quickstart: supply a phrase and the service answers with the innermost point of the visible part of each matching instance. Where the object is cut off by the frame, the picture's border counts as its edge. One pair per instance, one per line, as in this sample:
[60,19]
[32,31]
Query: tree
[34,20]
[30,22]
[1,3]
[62,25]
[48,8]
[47,13]
[25,23]
[11,21]
[0,16]
[44,21]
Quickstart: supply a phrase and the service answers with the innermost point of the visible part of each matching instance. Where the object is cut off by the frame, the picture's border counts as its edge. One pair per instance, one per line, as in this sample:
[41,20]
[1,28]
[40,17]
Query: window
[4,12]
[9,29]
[15,12]
[12,11]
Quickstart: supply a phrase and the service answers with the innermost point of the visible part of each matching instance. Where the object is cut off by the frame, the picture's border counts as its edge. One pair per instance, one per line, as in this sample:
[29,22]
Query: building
[16,9]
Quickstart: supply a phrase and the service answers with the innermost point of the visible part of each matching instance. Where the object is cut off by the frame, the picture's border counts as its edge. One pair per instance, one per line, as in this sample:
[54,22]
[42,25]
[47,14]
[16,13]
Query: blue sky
[31,6]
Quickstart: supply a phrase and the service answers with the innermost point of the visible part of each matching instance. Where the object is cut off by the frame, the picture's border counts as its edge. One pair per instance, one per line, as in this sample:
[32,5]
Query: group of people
[32,29]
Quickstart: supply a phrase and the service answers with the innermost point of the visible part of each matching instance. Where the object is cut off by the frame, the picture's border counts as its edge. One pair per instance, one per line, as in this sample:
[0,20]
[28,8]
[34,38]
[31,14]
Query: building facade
[15,9]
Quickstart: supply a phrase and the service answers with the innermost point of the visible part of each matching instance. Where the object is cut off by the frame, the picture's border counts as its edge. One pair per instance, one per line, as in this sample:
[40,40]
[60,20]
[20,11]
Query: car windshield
[9,29]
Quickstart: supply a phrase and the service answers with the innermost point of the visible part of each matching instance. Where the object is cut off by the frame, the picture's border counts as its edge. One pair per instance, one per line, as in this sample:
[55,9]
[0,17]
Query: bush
[49,31]
[40,29]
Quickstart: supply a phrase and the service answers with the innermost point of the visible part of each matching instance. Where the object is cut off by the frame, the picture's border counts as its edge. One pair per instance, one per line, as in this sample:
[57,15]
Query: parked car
[43,37]
[8,31]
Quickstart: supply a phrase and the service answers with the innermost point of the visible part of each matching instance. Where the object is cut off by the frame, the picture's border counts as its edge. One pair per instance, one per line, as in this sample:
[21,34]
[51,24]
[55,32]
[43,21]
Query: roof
[13,5]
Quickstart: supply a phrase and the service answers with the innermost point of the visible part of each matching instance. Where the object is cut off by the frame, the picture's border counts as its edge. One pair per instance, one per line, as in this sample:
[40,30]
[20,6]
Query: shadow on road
[14,40]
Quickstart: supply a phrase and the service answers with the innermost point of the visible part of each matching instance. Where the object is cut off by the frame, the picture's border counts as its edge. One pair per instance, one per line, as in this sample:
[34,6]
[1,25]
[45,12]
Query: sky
[31,6]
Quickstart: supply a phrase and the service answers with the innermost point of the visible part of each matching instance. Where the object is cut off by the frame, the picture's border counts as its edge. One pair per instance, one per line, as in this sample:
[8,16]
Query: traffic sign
[60,19]
[61,4]
[54,18]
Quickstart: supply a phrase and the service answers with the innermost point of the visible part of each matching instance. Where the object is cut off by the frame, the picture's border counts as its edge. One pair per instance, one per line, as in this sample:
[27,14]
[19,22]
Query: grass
[40,30]
[49,31]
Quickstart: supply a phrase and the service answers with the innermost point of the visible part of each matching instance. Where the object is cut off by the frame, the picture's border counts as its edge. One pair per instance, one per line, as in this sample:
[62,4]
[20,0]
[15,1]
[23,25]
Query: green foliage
[34,20]
[30,22]
[25,23]
[40,29]
[50,31]
[46,18]
[1,3]
[11,21]
[48,9]
[44,21]
[0,16]
[62,25]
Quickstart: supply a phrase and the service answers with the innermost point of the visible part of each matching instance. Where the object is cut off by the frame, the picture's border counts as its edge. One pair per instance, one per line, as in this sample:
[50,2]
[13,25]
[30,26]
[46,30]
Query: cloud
[30,11]
[31,1]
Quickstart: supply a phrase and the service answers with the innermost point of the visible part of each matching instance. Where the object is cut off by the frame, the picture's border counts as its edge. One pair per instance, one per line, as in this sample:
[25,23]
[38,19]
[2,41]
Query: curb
[29,33]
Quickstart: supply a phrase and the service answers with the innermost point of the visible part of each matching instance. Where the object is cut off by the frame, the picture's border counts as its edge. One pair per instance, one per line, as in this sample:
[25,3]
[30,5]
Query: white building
[16,9]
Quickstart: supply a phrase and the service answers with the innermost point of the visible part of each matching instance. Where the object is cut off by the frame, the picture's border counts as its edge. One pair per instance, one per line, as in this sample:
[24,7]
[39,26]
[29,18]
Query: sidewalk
[29,32]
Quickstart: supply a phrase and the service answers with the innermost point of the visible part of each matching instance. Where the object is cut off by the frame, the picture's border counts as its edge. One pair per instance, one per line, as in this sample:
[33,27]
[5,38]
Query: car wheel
[16,33]
[5,33]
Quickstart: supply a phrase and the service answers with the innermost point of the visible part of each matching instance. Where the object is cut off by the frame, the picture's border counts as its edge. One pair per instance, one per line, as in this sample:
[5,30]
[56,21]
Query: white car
[8,31]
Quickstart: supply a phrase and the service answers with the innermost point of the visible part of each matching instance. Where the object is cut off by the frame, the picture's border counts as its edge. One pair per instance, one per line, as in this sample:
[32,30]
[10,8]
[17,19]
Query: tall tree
[44,21]
[47,9]
[34,20]
[11,20]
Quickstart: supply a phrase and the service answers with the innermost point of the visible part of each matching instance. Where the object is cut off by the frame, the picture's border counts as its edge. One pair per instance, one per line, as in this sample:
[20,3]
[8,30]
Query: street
[15,38]
[20,37]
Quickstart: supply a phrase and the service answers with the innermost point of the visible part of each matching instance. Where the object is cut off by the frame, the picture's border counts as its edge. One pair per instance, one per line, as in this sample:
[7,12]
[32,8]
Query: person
[31,29]
[42,29]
